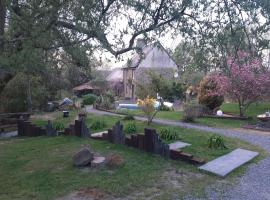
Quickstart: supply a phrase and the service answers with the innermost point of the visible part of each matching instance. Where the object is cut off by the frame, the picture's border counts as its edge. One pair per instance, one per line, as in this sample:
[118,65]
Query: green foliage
[164,108]
[89,99]
[162,82]
[207,86]
[128,117]
[168,134]
[191,78]
[131,128]
[98,125]
[192,111]
[216,142]
[59,126]
[105,101]
[14,95]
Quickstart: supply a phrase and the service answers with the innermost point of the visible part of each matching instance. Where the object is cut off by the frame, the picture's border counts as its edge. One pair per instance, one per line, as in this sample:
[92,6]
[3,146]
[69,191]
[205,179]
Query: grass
[57,118]
[198,139]
[252,111]
[41,168]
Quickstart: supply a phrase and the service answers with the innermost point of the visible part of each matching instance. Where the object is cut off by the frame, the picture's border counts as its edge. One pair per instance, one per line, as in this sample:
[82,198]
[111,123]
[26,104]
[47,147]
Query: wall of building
[128,77]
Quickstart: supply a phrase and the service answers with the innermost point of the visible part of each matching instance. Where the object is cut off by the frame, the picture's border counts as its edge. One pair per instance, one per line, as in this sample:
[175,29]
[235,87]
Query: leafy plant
[98,124]
[164,108]
[206,95]
[130,128]
[89,99]
[148,107]
[168,134]
[105,101]
[216,142]
[129,117]
[58,126]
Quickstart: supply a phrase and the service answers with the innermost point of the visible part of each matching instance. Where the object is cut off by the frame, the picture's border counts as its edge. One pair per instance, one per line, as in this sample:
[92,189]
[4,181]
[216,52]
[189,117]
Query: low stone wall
[77,129]
[149,142]
[25,128]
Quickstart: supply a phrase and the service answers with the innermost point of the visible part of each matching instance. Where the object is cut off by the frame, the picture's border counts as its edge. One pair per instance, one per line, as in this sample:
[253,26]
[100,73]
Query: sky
[109,61]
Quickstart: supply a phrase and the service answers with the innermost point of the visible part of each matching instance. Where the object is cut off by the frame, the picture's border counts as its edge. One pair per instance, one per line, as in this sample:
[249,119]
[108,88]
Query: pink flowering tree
[246,82]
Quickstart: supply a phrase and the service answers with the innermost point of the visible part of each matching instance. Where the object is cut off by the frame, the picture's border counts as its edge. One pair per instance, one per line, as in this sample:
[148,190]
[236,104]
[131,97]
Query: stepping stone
[98,161]
[178,145]
[99,134]
[229,162]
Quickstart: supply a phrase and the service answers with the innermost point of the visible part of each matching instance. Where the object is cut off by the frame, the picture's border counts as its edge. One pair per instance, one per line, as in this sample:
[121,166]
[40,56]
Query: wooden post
[149,139]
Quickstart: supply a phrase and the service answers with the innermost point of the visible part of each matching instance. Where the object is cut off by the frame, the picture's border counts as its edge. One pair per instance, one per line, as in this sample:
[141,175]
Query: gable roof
[115,75]
[154,56]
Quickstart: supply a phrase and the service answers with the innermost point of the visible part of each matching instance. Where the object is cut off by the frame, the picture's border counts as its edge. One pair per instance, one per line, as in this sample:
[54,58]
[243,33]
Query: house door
[132,91]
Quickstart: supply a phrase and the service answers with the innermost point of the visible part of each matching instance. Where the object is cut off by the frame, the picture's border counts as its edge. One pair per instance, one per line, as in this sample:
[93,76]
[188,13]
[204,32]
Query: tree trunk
[29,95]
[241,110]
[2,23]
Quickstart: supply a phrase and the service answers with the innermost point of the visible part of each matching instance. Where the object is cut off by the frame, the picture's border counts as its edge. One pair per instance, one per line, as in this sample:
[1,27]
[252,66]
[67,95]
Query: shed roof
[115,75]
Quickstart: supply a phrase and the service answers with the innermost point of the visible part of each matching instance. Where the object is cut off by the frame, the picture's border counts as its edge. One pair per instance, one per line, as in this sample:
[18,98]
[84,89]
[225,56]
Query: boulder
[83,157]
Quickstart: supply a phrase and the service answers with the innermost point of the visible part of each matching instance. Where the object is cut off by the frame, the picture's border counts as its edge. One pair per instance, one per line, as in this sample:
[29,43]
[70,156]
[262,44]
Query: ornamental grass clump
[148,107]
[216,142]
[131,128]
[169,134]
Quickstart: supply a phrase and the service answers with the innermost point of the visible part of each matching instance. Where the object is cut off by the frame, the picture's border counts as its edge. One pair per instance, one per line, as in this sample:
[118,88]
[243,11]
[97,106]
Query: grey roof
[115,75]
[154,56]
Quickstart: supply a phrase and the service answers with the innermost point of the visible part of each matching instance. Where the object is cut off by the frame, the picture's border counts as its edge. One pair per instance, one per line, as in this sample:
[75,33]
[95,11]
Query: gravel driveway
[253,185]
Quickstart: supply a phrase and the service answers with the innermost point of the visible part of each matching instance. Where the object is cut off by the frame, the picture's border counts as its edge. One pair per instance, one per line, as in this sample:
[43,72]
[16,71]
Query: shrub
[58,126]
[105,101]
[131,128]
[216,142]
[129,117]
[164,108]
[192,111]
[206,96]
[148,107]
[168,134]
[98,124]
[89,99]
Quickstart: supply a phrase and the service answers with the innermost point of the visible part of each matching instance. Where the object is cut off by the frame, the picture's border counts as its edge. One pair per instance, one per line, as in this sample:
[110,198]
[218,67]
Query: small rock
[98,161]
[83,157]
[115,160]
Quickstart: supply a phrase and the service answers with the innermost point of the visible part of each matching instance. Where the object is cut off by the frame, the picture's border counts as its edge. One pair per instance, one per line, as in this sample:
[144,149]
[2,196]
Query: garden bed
[228,116]
[255,127]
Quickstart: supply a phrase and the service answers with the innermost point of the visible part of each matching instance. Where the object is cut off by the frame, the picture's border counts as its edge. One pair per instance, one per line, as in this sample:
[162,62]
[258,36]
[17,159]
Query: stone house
[152,57]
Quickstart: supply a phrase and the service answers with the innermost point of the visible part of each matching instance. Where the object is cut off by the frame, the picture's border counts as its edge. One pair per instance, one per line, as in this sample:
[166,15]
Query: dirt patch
[171,185]
[87,194]
[44,116]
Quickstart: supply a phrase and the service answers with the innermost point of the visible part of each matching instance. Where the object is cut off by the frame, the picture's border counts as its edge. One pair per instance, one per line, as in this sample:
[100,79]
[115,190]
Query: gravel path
[254,185]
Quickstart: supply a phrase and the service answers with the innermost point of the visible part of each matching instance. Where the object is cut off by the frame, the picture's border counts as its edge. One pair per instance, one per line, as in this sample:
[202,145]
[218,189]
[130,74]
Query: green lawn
[41,168]
[252,111]
[198,139]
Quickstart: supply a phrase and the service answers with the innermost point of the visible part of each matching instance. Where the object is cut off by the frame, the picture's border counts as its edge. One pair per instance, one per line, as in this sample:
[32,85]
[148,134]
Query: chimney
[140,43]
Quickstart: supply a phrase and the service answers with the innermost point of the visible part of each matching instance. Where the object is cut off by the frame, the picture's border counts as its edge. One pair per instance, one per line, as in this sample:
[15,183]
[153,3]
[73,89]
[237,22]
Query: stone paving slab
[178,145]
[99,134]
[225,164]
